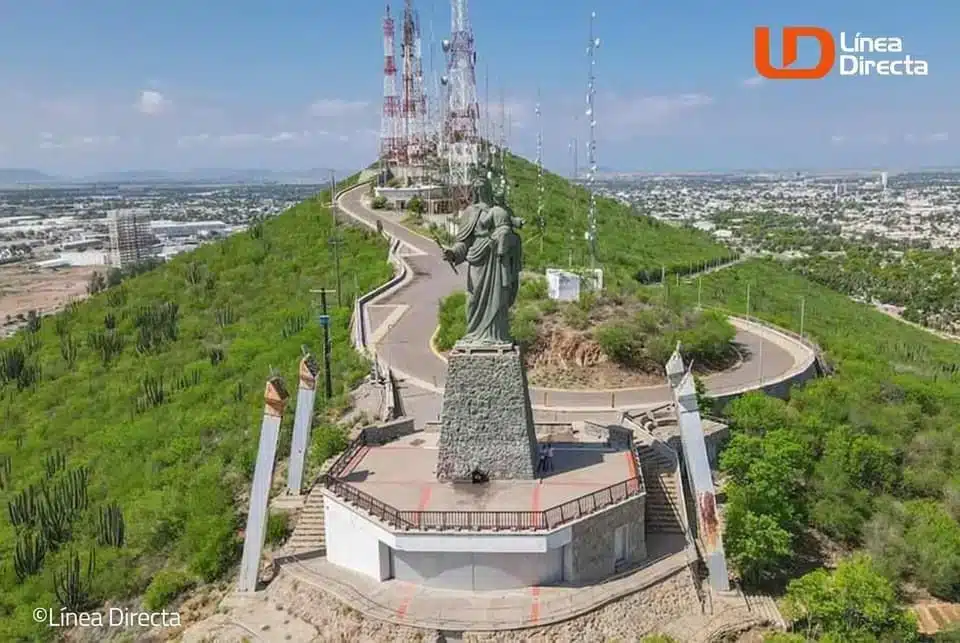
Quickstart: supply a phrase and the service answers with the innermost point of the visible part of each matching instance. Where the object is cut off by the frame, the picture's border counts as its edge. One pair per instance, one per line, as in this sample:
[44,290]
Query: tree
[852,603]
[757,412]
[416,205]
[756,544]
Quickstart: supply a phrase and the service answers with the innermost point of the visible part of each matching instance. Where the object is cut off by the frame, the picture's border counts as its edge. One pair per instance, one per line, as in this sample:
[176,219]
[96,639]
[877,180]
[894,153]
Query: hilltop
[149,395]
[153,390]
[631,246]
[618,338]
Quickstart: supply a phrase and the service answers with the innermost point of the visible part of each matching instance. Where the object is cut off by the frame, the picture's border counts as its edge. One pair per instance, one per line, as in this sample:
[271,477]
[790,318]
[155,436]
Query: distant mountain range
[16,177]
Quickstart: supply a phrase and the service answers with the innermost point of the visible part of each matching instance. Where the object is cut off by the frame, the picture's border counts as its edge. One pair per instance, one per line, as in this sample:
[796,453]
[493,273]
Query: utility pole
[760,359]
[803,301]
[335,239]
[325,324]
[748,302]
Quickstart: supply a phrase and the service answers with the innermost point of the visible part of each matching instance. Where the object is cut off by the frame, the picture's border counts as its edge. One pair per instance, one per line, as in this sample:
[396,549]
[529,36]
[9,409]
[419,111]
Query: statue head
[482,190]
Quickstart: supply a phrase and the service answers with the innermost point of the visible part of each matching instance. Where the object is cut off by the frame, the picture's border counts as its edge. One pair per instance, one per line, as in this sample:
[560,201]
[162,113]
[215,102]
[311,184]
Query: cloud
[837,139]
[753,81]
[337,107]
[152,103]
[49,142]
[632,116]
[936,137]
[247,139]
[515,113]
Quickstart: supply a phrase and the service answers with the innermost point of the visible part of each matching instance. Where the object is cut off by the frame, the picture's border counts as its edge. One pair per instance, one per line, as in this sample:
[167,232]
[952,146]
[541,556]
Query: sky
[104,85]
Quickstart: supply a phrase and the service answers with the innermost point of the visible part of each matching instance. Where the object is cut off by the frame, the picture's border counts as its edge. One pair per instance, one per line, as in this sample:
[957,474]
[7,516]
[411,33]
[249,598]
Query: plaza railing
[546,519]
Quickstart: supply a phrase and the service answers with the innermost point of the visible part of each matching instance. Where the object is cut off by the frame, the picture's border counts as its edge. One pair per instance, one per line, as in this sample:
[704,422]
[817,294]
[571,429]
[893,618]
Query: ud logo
[790,47]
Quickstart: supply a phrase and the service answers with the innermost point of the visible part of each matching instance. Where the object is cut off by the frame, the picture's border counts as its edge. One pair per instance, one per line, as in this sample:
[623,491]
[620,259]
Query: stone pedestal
[486,424]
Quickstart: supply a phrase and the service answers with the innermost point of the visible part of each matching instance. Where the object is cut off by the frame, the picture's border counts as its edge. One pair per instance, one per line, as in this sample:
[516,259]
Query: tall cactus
[111,526]
[6,466]
[69,349]
[22,509]
[55,462]
[28,555]
[54,518]
[225,316]
[72,589]
[72,491]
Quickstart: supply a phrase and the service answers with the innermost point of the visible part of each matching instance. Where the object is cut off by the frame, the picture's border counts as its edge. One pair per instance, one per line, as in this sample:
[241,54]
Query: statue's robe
[487,322]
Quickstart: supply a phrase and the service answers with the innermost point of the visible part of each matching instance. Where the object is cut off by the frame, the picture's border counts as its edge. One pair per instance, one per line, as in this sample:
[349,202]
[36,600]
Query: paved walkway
[403,603]
[408,319]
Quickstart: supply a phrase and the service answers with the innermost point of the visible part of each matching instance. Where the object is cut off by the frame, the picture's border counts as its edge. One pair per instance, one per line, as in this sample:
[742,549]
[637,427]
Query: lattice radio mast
[541,221]
[390,140]
[592,145]
[460,128]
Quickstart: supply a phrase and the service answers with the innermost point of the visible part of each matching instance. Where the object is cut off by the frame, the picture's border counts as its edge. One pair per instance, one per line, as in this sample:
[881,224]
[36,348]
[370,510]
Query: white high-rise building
[130,238]
[883,181]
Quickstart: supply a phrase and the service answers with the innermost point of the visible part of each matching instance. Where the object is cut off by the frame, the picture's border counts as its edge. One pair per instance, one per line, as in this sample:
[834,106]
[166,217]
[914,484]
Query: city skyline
[114,87]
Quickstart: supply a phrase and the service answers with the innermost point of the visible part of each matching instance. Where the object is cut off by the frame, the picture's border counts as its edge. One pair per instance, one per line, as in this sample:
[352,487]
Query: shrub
[165,587]
[278,528]
[379,203]
[416,205]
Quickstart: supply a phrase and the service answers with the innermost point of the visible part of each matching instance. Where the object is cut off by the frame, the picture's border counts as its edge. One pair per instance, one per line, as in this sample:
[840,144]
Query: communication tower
[414,103]
[461,143]
[390,135]
[592,145]
[541,220]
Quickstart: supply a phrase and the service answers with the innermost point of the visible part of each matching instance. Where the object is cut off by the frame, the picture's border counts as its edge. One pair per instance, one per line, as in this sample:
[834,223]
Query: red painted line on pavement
[535,605]
[411,589]
[425,492]
[632,464]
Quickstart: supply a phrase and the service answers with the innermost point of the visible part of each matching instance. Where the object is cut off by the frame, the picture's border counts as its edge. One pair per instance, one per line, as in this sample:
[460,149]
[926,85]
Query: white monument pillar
[275,397]
[701,481]
[306,394]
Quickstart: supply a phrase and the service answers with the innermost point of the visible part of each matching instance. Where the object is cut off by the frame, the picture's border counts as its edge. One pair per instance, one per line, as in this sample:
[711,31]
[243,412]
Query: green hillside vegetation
[632,330]
[926,283]
[869,457]
[630,245]
[134,415]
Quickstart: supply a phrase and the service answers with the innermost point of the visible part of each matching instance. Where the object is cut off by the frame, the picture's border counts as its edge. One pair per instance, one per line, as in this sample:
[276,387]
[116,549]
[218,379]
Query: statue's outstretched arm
[456,254]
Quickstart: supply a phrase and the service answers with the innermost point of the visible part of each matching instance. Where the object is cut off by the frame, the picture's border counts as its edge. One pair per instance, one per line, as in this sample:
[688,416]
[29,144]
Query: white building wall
[478,571]
[351,543]
[488,561]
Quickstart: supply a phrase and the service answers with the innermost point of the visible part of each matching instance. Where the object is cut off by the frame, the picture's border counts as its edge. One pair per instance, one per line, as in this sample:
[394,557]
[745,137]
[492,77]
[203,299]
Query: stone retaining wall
[389,431]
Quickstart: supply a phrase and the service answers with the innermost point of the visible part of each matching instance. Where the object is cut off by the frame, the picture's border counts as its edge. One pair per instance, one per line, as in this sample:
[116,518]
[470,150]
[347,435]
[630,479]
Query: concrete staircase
[765,609]
[660,474]
[309,533]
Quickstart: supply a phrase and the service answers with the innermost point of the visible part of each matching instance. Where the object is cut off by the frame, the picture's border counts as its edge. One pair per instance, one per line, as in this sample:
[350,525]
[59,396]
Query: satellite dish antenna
[444,80]
[445,45]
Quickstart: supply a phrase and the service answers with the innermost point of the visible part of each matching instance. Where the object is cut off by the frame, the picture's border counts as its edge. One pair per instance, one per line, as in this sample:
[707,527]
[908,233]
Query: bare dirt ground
[565,357]
[24,288]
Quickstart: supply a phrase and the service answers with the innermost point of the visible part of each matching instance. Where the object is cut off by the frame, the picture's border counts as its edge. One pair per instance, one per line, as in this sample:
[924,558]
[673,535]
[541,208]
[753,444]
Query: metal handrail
[473,520]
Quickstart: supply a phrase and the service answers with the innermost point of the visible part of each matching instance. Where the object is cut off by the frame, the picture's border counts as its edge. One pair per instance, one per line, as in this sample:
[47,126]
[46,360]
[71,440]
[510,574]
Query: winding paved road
[402,324]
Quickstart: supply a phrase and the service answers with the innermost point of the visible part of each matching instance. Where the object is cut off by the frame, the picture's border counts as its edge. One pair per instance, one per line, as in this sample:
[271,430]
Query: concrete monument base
[486,423]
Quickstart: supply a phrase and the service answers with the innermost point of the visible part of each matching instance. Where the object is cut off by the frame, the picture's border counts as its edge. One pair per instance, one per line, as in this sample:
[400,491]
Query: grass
[628,241]
[849,331]
[180,467]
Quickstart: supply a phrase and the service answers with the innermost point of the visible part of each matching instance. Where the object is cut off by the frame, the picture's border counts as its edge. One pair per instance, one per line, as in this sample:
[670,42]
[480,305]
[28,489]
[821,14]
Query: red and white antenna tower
[460,138]
[391,148]
[413,103]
